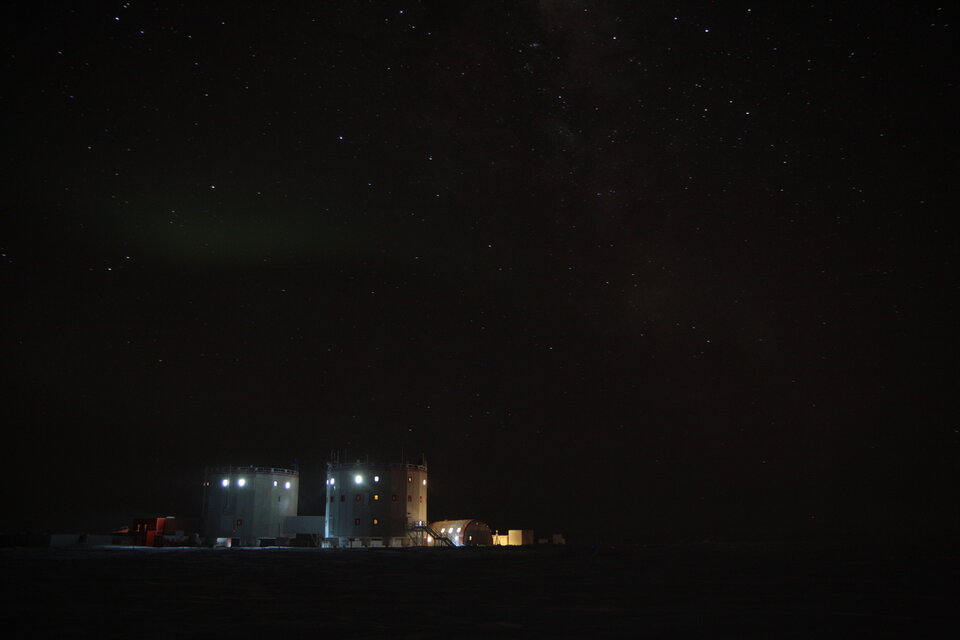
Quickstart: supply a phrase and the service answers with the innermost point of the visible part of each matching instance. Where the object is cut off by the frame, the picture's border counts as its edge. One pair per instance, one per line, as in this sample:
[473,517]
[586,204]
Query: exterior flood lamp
[358,479]
[286,485]
[226,482]
[241,482]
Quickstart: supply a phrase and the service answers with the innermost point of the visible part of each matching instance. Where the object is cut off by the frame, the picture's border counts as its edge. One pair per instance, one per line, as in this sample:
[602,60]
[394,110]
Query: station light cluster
[242,482]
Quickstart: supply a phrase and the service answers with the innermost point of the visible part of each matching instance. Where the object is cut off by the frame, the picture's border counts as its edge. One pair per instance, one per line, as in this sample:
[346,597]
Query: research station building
[463,533]
[375,504]
[247,506]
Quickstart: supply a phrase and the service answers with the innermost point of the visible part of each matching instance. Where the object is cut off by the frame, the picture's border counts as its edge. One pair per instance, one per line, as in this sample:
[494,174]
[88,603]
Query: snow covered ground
[693,591]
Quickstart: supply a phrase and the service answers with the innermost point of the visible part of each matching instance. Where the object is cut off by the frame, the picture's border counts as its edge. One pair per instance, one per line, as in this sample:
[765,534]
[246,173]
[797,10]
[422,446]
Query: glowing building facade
[248,505]
[375,504]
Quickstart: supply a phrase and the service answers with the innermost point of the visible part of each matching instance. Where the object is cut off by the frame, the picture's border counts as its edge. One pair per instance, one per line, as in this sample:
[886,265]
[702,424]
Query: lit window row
[356,521]
[357,479]
[242,482]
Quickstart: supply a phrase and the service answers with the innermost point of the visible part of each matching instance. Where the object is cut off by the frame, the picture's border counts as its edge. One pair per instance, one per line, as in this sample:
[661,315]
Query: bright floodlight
[226,482]
[241,482]
[274,483]
[358,479]
[376,478]
[286,485]
[333,481]
[424,482]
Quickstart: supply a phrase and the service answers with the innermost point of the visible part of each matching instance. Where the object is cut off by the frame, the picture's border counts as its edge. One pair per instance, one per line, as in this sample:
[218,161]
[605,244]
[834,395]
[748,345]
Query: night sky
[654,271]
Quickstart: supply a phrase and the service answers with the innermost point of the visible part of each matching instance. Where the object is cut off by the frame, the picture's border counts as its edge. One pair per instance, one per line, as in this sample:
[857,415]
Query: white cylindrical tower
[244,505]
[375,504]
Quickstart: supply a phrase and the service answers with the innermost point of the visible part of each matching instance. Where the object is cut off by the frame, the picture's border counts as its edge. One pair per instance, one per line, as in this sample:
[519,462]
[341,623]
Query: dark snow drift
[692,591]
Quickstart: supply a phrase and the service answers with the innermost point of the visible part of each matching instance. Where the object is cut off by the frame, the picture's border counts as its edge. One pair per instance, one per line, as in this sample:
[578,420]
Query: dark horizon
[621,271]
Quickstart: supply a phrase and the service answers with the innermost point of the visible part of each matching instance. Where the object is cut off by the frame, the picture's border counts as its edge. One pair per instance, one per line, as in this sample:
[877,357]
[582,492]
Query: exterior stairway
[420,532]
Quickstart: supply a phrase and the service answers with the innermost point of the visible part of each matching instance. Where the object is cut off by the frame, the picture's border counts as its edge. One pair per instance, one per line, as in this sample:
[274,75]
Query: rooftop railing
[252,469]
[359,464]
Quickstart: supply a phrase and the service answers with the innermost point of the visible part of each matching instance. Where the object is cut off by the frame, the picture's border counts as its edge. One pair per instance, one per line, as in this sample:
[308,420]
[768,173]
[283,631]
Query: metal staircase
[419,532]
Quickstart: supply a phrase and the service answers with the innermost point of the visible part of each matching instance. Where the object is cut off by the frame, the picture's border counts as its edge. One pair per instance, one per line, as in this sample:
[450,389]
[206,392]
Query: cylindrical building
[464,533]
[375,504]
[244,505]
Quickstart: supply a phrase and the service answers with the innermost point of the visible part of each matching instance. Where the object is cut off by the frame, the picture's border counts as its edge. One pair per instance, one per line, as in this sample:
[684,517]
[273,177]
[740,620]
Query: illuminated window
[375,521]
[359,498]
[376,497]
[286,485]
[393,498]
[242,482]
[356,521]
[443,530]
[226,482]
[424,482]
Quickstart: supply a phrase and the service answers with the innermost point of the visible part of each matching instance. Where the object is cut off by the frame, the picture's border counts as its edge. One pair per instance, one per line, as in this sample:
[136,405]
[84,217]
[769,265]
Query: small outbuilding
[514,538]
